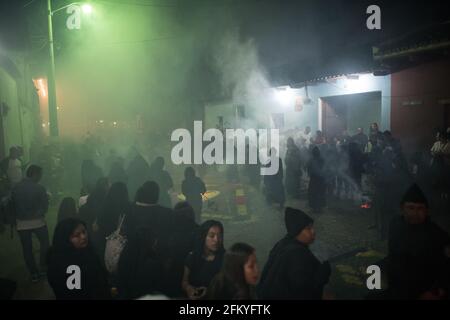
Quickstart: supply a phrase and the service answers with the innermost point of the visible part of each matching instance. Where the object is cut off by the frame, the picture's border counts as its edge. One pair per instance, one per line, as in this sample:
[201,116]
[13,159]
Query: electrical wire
[130,3]
[28,3]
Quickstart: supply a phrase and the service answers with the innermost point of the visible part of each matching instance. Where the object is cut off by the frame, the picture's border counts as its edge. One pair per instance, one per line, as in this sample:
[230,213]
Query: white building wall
[260,108]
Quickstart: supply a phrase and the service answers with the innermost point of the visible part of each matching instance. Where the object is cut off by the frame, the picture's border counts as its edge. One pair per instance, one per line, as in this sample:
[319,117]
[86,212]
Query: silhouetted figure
[252,171]
[238,276]
[146,212]
[184,233]
[90,174]
[293,169]
[193,188]
[292,271]
[67,209]
[138,173]
[140,270]
[205,261]
[117,172]
[116,205]
[90,211]
[274,188]
[72,247]
[418,260]
[164,181]
[30,206]
[355,166]
[11,167]
[374,133]
[317,182]
[360,139]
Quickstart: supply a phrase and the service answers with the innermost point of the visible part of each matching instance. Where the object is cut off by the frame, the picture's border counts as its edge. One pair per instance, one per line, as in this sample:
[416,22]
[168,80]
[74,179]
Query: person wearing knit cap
[292,271]
[418,262]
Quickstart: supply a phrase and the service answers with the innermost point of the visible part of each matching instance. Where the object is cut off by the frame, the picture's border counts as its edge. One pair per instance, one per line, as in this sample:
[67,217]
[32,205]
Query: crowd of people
[363,168]
[129,240]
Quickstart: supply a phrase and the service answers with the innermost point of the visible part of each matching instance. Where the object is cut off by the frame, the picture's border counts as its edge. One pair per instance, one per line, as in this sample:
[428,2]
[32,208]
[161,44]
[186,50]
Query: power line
[29,3]
[130,3]
[131,42]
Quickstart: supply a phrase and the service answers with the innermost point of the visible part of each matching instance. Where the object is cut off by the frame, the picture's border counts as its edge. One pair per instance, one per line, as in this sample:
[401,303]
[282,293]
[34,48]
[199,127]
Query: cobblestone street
[343,234]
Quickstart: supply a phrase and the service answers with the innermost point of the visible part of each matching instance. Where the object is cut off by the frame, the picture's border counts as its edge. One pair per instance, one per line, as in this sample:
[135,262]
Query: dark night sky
[286,32]
[282,28]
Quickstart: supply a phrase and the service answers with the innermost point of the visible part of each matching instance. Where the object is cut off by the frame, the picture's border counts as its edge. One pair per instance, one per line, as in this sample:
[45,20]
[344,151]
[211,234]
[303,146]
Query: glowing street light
[284,96]
[87,8]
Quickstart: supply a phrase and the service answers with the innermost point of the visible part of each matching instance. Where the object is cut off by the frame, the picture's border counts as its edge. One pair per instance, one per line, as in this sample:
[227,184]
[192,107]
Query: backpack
[115,243]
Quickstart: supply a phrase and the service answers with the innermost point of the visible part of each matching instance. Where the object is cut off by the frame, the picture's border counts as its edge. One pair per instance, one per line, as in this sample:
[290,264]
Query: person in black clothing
[147,213]
[317,182]
[72,247]
[274,188]
[30,203]
[67,209]
[90,174]
[360,139]
[293,169]
[138,173]
[418,258]
[140,270]
[252,170]
[292,271]
[117,172]
[193,188]
[355,167]
[164,181]
[181,243]
[238,275]
[90,211]
[374,132]
[116,205]
[205,261]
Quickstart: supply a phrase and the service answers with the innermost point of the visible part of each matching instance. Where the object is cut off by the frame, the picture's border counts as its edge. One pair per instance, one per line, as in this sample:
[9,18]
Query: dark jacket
[94,284]
[30,200]
[140,272]
[293,272]
[155,217]
[416,259]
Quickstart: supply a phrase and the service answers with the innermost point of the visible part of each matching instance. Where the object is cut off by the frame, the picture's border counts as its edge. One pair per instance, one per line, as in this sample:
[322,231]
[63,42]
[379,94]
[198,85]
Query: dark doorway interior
[349,112]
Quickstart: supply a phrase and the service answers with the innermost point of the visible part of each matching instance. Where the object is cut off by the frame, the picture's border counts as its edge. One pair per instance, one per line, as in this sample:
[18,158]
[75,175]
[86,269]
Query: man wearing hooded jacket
[418,259]
[292,271]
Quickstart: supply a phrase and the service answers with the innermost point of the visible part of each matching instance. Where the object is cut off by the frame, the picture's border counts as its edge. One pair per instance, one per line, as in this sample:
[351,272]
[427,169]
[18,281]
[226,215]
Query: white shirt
[14,171]
[305,139]
[30,224]
[82,201]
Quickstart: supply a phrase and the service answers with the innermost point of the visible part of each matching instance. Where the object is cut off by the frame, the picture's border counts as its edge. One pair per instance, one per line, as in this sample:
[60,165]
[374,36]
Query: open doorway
[350,112]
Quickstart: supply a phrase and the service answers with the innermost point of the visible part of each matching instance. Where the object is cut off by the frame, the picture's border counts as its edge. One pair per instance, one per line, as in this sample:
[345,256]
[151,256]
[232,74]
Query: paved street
[342,228]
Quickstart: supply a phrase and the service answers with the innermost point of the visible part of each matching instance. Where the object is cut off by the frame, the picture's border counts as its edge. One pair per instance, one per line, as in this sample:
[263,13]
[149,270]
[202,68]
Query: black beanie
[414,194]
[296,220]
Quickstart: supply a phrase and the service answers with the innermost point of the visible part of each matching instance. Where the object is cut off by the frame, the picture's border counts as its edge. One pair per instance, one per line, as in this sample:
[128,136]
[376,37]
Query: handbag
[115,243]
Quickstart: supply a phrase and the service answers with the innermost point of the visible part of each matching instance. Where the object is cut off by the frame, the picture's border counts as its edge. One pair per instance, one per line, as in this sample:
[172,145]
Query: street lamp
[52,109]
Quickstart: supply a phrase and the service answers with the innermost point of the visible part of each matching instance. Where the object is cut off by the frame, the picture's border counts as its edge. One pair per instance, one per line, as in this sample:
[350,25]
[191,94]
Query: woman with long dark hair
[116,206]
[140,271]
[90,211]
[74,269]
[238,275]
[67,209]
[205,261]
[182,241]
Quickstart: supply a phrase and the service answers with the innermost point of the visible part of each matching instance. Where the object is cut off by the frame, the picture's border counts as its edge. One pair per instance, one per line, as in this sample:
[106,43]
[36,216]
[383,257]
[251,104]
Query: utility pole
[52,106]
